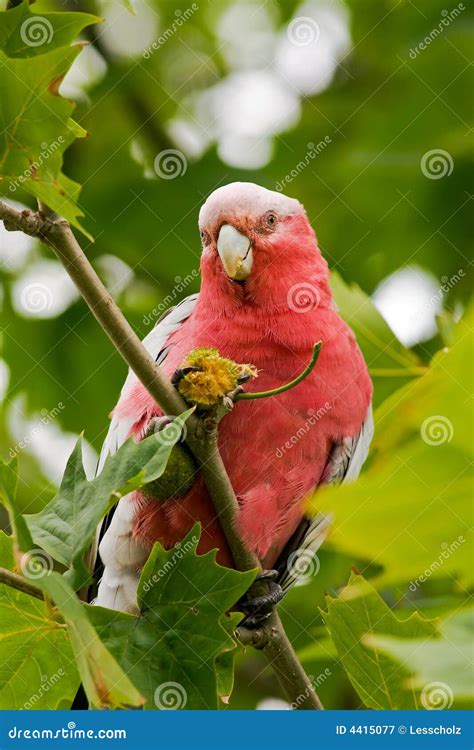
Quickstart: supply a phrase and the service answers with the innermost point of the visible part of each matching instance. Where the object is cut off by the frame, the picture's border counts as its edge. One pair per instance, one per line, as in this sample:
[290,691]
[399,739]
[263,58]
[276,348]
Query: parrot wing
[121,555]
[344,464]
[155,344]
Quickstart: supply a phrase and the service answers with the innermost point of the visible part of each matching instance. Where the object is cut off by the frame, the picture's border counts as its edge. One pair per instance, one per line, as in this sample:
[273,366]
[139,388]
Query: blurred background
[358,109]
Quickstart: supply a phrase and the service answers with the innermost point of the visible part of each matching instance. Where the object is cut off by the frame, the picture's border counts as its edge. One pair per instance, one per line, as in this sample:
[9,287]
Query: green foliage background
[374,211]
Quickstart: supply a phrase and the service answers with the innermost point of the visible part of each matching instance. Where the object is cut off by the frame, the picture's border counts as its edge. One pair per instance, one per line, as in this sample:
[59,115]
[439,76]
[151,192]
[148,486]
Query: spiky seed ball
[177,479]
[212,378]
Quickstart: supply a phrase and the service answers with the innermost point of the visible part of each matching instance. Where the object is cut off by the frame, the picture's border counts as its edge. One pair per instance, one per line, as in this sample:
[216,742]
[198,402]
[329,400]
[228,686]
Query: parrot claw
[155,425]
[258,608]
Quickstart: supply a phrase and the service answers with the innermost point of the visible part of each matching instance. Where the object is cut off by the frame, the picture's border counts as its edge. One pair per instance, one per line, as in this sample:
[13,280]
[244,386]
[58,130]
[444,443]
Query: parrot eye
[205,237]
[271,220]
[268,222]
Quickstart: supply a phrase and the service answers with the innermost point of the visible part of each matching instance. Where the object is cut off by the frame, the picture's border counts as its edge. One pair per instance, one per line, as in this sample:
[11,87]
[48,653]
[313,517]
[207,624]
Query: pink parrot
[264,299]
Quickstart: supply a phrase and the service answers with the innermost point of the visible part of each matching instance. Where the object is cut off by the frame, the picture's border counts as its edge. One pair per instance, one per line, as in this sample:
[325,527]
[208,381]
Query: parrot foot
[258,608]
[155,425]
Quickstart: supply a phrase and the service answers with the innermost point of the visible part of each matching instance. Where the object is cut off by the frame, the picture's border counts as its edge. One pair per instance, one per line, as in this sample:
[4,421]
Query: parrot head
[257,246]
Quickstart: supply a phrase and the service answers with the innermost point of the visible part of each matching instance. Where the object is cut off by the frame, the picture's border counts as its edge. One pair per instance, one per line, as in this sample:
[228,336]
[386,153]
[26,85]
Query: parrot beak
[235,251]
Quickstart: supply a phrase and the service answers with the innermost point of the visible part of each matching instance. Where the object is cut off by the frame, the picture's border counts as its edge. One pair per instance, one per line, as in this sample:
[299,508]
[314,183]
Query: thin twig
[21,584]
[57,234]
[287,386]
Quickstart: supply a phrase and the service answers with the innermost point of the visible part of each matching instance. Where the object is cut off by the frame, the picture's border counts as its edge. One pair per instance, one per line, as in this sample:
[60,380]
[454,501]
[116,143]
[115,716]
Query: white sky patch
[273,704]
[44,290]
[4,378]
[15,247]
[311,46]
[88,69]
[188,136]
[252,104]
[117,274]
[409,300]
[127,35]
[245,152]
[46,442]
[246,34]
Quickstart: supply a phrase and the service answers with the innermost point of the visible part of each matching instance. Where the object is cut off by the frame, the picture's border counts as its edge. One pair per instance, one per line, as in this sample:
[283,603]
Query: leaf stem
[287,386]
[21,584]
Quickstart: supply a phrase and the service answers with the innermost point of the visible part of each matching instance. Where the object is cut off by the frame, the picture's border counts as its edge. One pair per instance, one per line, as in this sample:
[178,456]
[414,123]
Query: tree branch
[57,234]
[19,583]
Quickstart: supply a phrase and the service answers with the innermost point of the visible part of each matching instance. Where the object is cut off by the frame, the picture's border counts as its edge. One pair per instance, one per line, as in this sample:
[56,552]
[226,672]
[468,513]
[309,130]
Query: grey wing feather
[344,464]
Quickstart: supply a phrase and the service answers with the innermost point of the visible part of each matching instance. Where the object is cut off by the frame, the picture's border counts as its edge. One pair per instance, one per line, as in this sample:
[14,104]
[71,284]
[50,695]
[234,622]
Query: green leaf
[8,493]
[35,121]
[389,362]
[105,683]
[66,526]
[396,663]
[420,473]
[182,628]
[441,667]
[26,33]
[354,617]
[37,669]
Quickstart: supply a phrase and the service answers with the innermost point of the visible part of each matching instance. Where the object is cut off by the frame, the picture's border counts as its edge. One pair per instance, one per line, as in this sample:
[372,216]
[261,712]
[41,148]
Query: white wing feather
[122,556]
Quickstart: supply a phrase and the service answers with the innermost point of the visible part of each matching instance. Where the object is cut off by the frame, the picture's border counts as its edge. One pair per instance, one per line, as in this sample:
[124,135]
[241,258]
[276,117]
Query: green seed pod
[177,479]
